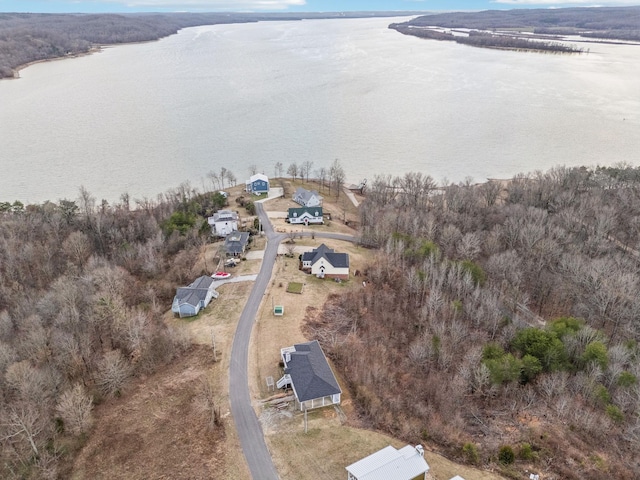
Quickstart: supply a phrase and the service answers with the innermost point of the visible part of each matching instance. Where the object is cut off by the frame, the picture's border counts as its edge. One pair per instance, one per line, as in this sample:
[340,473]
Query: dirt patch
[157,430]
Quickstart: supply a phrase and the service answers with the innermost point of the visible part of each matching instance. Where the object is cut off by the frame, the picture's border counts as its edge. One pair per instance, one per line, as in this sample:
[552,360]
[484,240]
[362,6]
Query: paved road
[247,424]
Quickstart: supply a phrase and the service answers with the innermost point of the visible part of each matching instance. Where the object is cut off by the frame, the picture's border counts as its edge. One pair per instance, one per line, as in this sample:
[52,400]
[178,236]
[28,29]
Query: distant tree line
[500,315]
[604,22]
[26,37]
[488,40]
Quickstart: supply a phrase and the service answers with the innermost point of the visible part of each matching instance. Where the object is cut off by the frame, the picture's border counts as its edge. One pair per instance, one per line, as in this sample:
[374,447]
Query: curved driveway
[247,424]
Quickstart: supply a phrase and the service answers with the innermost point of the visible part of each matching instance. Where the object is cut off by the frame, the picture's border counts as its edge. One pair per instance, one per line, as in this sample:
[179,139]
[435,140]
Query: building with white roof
[408,463]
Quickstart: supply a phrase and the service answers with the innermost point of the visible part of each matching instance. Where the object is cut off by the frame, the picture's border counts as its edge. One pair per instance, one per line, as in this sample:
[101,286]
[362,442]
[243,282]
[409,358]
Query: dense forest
[83,290]
[26,37]
[620,23]
[500,322]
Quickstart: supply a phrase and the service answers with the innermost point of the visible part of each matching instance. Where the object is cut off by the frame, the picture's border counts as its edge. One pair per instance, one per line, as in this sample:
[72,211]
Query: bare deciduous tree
[113,372]
[74,407]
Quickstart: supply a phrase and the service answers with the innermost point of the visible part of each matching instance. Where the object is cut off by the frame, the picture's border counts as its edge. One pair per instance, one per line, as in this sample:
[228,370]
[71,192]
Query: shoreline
[18,69]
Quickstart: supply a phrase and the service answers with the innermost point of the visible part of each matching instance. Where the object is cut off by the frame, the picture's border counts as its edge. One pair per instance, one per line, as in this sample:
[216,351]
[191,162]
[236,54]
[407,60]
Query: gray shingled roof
[191,296]
[310,372]
[303,195]
[337,260]
[194,293]
[236,242]
[202,282]
[224,215]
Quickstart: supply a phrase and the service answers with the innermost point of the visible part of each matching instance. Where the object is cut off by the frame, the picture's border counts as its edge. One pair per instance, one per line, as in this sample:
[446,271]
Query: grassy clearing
[294,287]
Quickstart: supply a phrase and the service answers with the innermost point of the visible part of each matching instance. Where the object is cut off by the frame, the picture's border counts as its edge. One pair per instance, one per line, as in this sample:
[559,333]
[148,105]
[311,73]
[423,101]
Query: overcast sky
[287,5]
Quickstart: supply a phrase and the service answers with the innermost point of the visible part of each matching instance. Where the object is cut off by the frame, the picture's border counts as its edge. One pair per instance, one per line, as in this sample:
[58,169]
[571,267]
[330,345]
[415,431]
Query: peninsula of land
[540,30]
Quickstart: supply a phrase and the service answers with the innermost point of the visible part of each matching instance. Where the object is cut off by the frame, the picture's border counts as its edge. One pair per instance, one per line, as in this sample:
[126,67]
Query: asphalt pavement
[247,424]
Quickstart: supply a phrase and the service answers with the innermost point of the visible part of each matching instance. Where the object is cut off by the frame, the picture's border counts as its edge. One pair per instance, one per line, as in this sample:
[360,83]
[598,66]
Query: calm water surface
[143,118]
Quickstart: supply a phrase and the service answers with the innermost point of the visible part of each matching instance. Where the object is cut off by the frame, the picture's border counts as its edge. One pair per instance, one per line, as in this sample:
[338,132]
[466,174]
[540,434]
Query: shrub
[179,221]
[543,345]
[470,452]
[492,351]
[615,414]
[596,352]
[506,455]
[565,326]
[526,452]
[531,367]
[601,394]
[504,370]
[626,379]
[476,272]
[427,248]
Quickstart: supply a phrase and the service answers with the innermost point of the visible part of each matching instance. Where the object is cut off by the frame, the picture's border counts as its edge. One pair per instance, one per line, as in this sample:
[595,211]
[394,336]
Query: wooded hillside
[500,321]
[83,289]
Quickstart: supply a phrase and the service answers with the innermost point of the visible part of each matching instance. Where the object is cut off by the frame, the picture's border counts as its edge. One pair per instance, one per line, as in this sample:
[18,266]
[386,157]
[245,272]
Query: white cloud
[601,3]
[211,5]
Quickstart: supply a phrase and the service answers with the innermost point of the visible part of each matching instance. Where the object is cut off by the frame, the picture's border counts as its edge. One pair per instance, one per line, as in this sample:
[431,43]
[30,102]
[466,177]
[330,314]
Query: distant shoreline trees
[489,40]
[32,37]
[621,23]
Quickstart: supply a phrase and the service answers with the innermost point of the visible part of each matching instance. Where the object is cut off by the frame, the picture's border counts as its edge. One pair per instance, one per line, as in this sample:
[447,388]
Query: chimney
[420,450]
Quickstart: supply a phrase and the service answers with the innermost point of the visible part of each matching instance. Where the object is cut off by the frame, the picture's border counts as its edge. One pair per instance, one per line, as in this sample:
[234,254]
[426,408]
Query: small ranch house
[324,262]
[308,373]
[307,198]
[236,243]
[190,300]
[408,463]
[223,222]
[305,215]
[257,184]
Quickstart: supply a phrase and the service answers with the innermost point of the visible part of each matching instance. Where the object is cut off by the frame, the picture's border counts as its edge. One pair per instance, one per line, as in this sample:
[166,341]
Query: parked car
[231,262]
[221,275]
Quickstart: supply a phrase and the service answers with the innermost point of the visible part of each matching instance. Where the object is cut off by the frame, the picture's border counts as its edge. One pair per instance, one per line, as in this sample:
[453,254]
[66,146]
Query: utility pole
[213,344]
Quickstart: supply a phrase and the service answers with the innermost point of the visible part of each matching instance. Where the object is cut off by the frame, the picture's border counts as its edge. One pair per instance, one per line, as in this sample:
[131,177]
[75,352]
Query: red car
[221,275]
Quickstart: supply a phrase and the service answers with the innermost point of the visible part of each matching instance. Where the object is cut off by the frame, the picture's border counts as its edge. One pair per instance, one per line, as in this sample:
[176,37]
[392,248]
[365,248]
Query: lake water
[143,118]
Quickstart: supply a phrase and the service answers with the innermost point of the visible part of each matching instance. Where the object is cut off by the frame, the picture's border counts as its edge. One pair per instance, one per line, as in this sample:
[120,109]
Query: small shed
[278,310]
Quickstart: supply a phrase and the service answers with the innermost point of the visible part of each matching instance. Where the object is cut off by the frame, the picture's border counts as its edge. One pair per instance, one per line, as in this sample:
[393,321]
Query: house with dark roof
[325,262]
[223,222]
[308,373]
[258,184]
[408,463]
[188,301]
[305,215]
[236,243]
[307,198]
